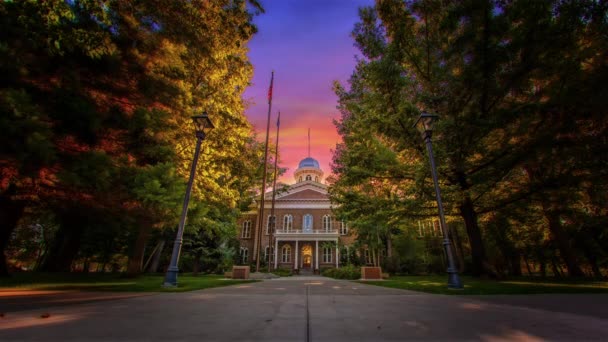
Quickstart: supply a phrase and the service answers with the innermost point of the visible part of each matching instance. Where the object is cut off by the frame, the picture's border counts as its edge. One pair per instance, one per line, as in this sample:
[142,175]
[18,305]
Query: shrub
[328,272]
[282,272]
[347,272]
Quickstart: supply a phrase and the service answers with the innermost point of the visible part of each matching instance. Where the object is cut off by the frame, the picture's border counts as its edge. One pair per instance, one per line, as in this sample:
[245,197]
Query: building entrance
[306,256]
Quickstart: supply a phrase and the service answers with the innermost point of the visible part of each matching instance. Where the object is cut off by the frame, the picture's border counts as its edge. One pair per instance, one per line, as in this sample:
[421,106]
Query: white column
[337,256]
[317,254]
[296,261]
[276,251]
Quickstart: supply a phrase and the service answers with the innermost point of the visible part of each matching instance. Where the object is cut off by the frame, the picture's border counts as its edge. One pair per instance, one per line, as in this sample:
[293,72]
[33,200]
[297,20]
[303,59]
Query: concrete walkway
[314,309]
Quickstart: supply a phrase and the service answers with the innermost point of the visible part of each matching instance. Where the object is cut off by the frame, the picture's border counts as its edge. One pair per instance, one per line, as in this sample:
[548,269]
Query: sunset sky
[308,45]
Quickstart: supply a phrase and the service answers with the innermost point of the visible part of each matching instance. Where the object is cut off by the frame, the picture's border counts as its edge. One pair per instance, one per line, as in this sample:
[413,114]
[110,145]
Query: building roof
[309,162]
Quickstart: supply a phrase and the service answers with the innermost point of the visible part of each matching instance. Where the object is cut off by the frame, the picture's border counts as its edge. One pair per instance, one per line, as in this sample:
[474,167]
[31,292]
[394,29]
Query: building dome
[308,170]
[309,162]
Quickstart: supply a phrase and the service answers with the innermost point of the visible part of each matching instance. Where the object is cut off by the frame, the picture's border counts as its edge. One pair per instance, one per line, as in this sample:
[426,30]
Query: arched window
[244,255]
[327,223]
[269,222]
[308,177]
[246,234]
[270,250]
[307,223]
[317,179]
[287,222]
[286,253]
[343,228]
[327,255]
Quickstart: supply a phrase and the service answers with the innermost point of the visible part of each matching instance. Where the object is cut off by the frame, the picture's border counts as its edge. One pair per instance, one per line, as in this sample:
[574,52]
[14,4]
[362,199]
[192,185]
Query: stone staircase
[306,272]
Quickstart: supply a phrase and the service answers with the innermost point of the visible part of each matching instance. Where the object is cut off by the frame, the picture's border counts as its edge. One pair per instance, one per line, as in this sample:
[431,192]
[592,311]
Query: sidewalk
[307,308]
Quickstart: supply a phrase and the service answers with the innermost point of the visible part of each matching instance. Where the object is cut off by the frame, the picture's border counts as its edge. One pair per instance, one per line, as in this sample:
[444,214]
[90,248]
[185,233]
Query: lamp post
[202,126]
[425,125]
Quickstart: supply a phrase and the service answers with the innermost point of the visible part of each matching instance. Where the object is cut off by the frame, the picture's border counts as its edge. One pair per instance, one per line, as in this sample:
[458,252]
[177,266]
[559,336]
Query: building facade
[307,235]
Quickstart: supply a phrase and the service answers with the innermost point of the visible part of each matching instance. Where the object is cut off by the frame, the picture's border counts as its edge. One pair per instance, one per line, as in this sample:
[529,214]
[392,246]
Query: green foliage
[477,286]
[350,272]
[96,104]
[507,80]
[283,272]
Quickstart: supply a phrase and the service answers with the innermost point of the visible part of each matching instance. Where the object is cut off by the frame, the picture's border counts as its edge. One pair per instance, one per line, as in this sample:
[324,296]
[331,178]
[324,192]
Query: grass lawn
[111,282]
[475,286]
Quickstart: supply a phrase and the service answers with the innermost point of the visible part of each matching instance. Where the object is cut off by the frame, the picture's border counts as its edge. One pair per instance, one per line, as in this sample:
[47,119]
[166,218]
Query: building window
[327,255]
[286,254]
[433,228]
[368,257]
[300,179]
[327,223]
[269,222]
[437,228]
[307,223]
[308,177]
[270,250]
[317,179]
[287,222]
[244,255]
[246,234]
[343,228]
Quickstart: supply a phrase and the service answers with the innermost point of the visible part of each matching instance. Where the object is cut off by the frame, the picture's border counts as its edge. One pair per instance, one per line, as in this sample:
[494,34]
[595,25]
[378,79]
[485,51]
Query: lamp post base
[171,277]
[454,282]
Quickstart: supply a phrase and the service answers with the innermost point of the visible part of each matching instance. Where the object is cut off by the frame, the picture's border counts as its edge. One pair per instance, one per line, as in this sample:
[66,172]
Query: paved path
[315,309]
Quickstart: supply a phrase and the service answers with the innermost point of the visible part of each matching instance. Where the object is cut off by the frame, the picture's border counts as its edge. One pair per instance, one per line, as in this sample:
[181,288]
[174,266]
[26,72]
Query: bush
[328,272]
[347,272]
[282,272]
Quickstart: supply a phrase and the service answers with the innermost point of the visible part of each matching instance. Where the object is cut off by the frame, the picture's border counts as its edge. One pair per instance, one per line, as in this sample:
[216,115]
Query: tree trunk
[457,245]
[527,265]
[196,263]
[561,239]
[592,258]
[478,254]
[556,271]
[153,268]
[11,212]
[515,263]
[543,268]
[591,251]
[136,259]
[66,244]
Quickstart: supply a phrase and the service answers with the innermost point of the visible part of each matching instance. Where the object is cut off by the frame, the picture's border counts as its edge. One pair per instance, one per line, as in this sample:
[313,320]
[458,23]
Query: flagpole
[309,142]
[261,215]
[274,192]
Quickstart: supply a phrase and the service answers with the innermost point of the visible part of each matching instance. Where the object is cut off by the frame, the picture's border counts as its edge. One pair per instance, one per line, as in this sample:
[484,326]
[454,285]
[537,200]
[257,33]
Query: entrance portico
[306,245]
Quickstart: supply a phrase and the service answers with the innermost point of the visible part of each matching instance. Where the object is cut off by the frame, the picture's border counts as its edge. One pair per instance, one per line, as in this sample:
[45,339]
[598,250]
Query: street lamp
[425,124]
[202,126]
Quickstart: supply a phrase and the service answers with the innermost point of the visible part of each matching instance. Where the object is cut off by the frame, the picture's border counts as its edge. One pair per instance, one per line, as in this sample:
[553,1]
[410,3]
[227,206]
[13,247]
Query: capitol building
[307,236]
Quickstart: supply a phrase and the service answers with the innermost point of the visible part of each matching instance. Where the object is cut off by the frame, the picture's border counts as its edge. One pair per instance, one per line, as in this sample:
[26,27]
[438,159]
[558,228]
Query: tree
[504,76]
[97,99]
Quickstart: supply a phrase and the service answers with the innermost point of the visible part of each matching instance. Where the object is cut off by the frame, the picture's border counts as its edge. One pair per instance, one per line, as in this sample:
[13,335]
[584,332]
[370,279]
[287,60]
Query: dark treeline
[96,138]
[521,145]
